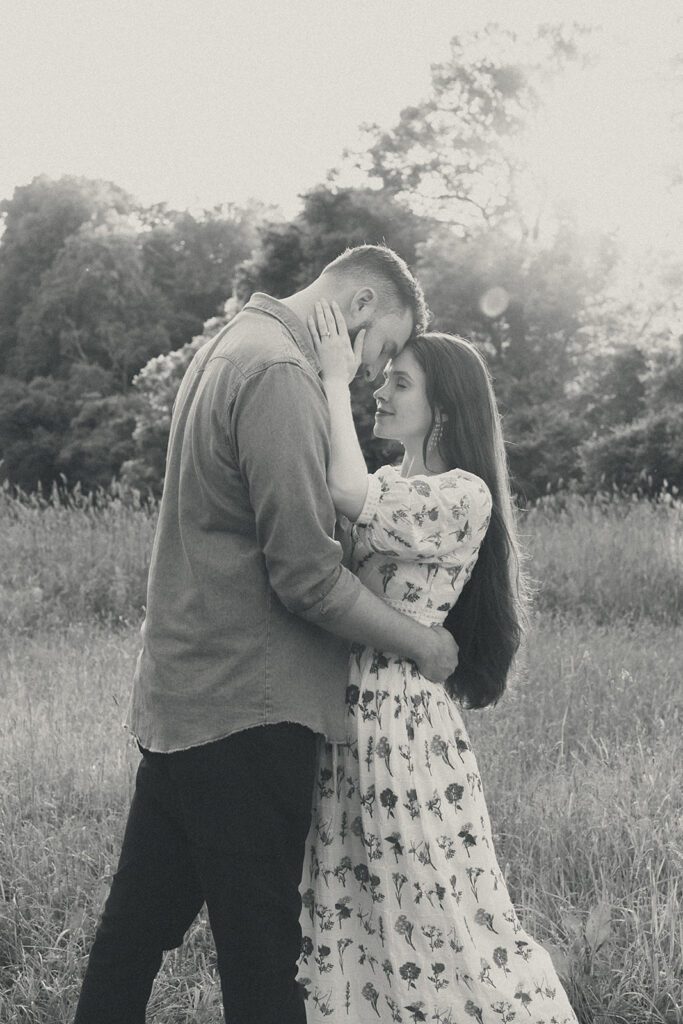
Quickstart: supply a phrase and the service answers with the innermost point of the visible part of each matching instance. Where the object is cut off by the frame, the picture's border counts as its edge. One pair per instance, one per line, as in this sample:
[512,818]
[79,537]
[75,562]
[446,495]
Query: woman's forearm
[347,475]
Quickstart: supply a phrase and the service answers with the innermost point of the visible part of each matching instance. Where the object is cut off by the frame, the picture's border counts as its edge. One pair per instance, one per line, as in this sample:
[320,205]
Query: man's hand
[440,657]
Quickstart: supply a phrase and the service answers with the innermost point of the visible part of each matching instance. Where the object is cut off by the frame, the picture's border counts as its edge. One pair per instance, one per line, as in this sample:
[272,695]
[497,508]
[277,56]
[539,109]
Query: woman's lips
[383,412]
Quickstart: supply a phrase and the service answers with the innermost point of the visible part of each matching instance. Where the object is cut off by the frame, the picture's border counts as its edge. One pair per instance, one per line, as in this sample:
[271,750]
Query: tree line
[103,301]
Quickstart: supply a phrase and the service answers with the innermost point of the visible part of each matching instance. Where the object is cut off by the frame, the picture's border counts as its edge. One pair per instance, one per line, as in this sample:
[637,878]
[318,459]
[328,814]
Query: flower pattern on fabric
[405,913]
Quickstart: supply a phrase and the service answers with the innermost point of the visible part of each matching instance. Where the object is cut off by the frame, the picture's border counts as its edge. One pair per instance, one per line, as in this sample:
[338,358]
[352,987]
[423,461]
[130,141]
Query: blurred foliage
[38,219]
[290,256]
[455,154]
[644,454]
[93,287]
[95,305]
[156,386]
[192,261]
[103,302]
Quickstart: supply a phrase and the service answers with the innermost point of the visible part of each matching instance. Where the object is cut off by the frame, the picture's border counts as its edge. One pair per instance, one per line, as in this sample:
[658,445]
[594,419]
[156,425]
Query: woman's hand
[440,659]
[339,360]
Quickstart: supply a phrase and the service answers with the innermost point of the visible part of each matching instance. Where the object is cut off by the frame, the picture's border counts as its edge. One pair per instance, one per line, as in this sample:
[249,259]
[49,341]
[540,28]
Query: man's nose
[373,371]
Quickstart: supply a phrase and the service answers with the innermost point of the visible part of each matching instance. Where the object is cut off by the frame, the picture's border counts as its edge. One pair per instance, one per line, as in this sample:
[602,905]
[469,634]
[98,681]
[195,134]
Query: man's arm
[279,430]
[372,622]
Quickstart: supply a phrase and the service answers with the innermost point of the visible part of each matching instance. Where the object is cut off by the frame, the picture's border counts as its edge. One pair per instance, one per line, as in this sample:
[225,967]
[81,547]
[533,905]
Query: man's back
[243,564]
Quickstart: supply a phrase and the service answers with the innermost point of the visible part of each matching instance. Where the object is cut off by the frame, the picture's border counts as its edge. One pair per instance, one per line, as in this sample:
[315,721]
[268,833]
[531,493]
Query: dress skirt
[406,915]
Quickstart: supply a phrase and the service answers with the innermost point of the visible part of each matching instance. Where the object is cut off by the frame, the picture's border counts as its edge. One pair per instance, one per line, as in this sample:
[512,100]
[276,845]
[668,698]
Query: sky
[201,102]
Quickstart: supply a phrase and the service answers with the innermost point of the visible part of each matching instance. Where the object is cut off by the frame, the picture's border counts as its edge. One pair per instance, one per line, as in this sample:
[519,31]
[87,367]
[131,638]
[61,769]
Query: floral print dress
[405,912]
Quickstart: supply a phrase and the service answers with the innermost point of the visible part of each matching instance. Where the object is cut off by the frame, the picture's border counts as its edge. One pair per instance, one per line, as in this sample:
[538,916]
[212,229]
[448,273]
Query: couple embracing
[311,632]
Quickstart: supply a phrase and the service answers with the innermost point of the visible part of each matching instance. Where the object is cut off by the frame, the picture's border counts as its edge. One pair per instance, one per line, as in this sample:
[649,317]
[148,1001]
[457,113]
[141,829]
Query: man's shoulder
[253,341]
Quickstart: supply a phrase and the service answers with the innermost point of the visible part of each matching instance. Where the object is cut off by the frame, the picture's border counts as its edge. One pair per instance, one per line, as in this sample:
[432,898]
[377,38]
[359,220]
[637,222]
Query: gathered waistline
[426,616]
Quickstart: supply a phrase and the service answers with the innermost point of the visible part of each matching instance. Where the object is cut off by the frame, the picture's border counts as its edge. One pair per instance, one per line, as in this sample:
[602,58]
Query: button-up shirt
[245,568]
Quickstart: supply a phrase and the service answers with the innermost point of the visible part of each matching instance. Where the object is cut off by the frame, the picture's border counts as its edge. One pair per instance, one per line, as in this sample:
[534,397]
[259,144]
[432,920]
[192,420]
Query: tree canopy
[103,301]
[92,287]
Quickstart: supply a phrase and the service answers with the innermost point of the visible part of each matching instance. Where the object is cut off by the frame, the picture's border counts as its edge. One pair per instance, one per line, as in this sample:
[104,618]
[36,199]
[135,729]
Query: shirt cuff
[338,600]
[369,509]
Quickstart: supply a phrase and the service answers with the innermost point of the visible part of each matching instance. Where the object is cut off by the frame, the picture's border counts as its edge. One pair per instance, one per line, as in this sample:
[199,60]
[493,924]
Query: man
[239,670]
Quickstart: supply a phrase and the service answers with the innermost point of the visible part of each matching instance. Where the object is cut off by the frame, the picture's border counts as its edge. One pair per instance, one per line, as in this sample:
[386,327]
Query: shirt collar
[289,320]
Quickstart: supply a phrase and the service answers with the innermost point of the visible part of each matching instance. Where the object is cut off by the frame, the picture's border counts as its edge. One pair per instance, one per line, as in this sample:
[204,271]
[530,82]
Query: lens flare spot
[494,301]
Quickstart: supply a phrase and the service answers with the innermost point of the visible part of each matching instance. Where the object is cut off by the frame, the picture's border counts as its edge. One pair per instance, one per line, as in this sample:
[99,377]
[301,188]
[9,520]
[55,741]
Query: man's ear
[363,298]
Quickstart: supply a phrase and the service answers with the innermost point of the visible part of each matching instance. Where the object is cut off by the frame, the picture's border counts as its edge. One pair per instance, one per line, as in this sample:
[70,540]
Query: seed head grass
[582,759]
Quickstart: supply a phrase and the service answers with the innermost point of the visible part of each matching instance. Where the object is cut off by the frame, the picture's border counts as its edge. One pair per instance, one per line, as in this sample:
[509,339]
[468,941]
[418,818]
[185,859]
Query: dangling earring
[436,434]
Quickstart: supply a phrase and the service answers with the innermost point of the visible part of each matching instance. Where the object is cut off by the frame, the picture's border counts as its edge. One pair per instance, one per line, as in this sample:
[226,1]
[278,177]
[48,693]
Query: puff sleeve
[425,518]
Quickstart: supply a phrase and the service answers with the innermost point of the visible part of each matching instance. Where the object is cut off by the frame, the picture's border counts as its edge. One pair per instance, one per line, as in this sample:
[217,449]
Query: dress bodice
[417,538]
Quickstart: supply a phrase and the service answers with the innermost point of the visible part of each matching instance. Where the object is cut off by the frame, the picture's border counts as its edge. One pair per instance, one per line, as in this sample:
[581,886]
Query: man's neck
[303,303]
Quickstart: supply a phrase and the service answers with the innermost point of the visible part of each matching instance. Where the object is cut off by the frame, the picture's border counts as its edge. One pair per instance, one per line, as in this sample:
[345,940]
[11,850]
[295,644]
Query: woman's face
[403,411]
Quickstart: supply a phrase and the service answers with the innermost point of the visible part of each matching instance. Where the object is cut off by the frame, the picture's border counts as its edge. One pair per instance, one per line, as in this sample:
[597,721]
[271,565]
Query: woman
[406,916]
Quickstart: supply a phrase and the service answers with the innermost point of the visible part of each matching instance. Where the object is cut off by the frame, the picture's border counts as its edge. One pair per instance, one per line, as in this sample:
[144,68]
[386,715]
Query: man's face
[385,336]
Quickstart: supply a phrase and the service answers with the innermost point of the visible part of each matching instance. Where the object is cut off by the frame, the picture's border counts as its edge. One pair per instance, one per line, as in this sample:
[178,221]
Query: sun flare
[605,146]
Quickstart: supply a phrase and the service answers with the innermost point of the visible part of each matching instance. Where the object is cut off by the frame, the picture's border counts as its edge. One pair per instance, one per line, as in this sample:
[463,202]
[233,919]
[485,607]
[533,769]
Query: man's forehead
[400,325]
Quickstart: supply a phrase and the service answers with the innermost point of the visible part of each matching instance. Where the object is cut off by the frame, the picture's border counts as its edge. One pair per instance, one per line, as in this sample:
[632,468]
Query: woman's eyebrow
[398,373]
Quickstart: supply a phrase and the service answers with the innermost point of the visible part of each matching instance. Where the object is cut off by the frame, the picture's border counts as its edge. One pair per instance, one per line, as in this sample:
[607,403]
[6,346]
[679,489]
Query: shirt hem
[318,729]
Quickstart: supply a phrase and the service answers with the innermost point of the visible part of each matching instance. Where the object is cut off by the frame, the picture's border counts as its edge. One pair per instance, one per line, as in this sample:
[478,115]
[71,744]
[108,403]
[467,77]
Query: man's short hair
[396,285]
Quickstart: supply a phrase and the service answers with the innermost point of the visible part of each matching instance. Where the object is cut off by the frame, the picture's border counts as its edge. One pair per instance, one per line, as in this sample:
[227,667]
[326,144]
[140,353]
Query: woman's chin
[382,427]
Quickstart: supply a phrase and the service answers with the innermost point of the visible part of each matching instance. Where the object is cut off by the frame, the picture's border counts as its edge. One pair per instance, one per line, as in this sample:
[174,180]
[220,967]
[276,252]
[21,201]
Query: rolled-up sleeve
[279,430]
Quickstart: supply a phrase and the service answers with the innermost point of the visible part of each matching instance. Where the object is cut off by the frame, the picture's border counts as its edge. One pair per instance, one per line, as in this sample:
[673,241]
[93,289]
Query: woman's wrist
[335,385]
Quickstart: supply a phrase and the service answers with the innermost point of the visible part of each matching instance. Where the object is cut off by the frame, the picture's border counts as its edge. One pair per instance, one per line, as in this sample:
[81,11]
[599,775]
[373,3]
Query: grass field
[582,760]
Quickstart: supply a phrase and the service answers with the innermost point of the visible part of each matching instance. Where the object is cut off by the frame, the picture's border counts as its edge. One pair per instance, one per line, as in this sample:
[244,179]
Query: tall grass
[74,558]
[607,558]
[70,557]
[582,760]
[583,764]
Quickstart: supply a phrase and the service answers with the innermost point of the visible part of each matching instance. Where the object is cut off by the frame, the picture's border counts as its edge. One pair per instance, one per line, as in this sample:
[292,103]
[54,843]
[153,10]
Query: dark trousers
[225,824]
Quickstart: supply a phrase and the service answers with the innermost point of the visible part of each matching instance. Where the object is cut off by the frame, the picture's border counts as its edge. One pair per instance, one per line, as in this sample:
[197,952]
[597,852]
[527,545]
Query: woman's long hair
[487,621]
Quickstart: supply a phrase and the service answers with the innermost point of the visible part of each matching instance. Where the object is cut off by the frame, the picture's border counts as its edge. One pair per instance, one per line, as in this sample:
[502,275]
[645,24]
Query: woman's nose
[380,390]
